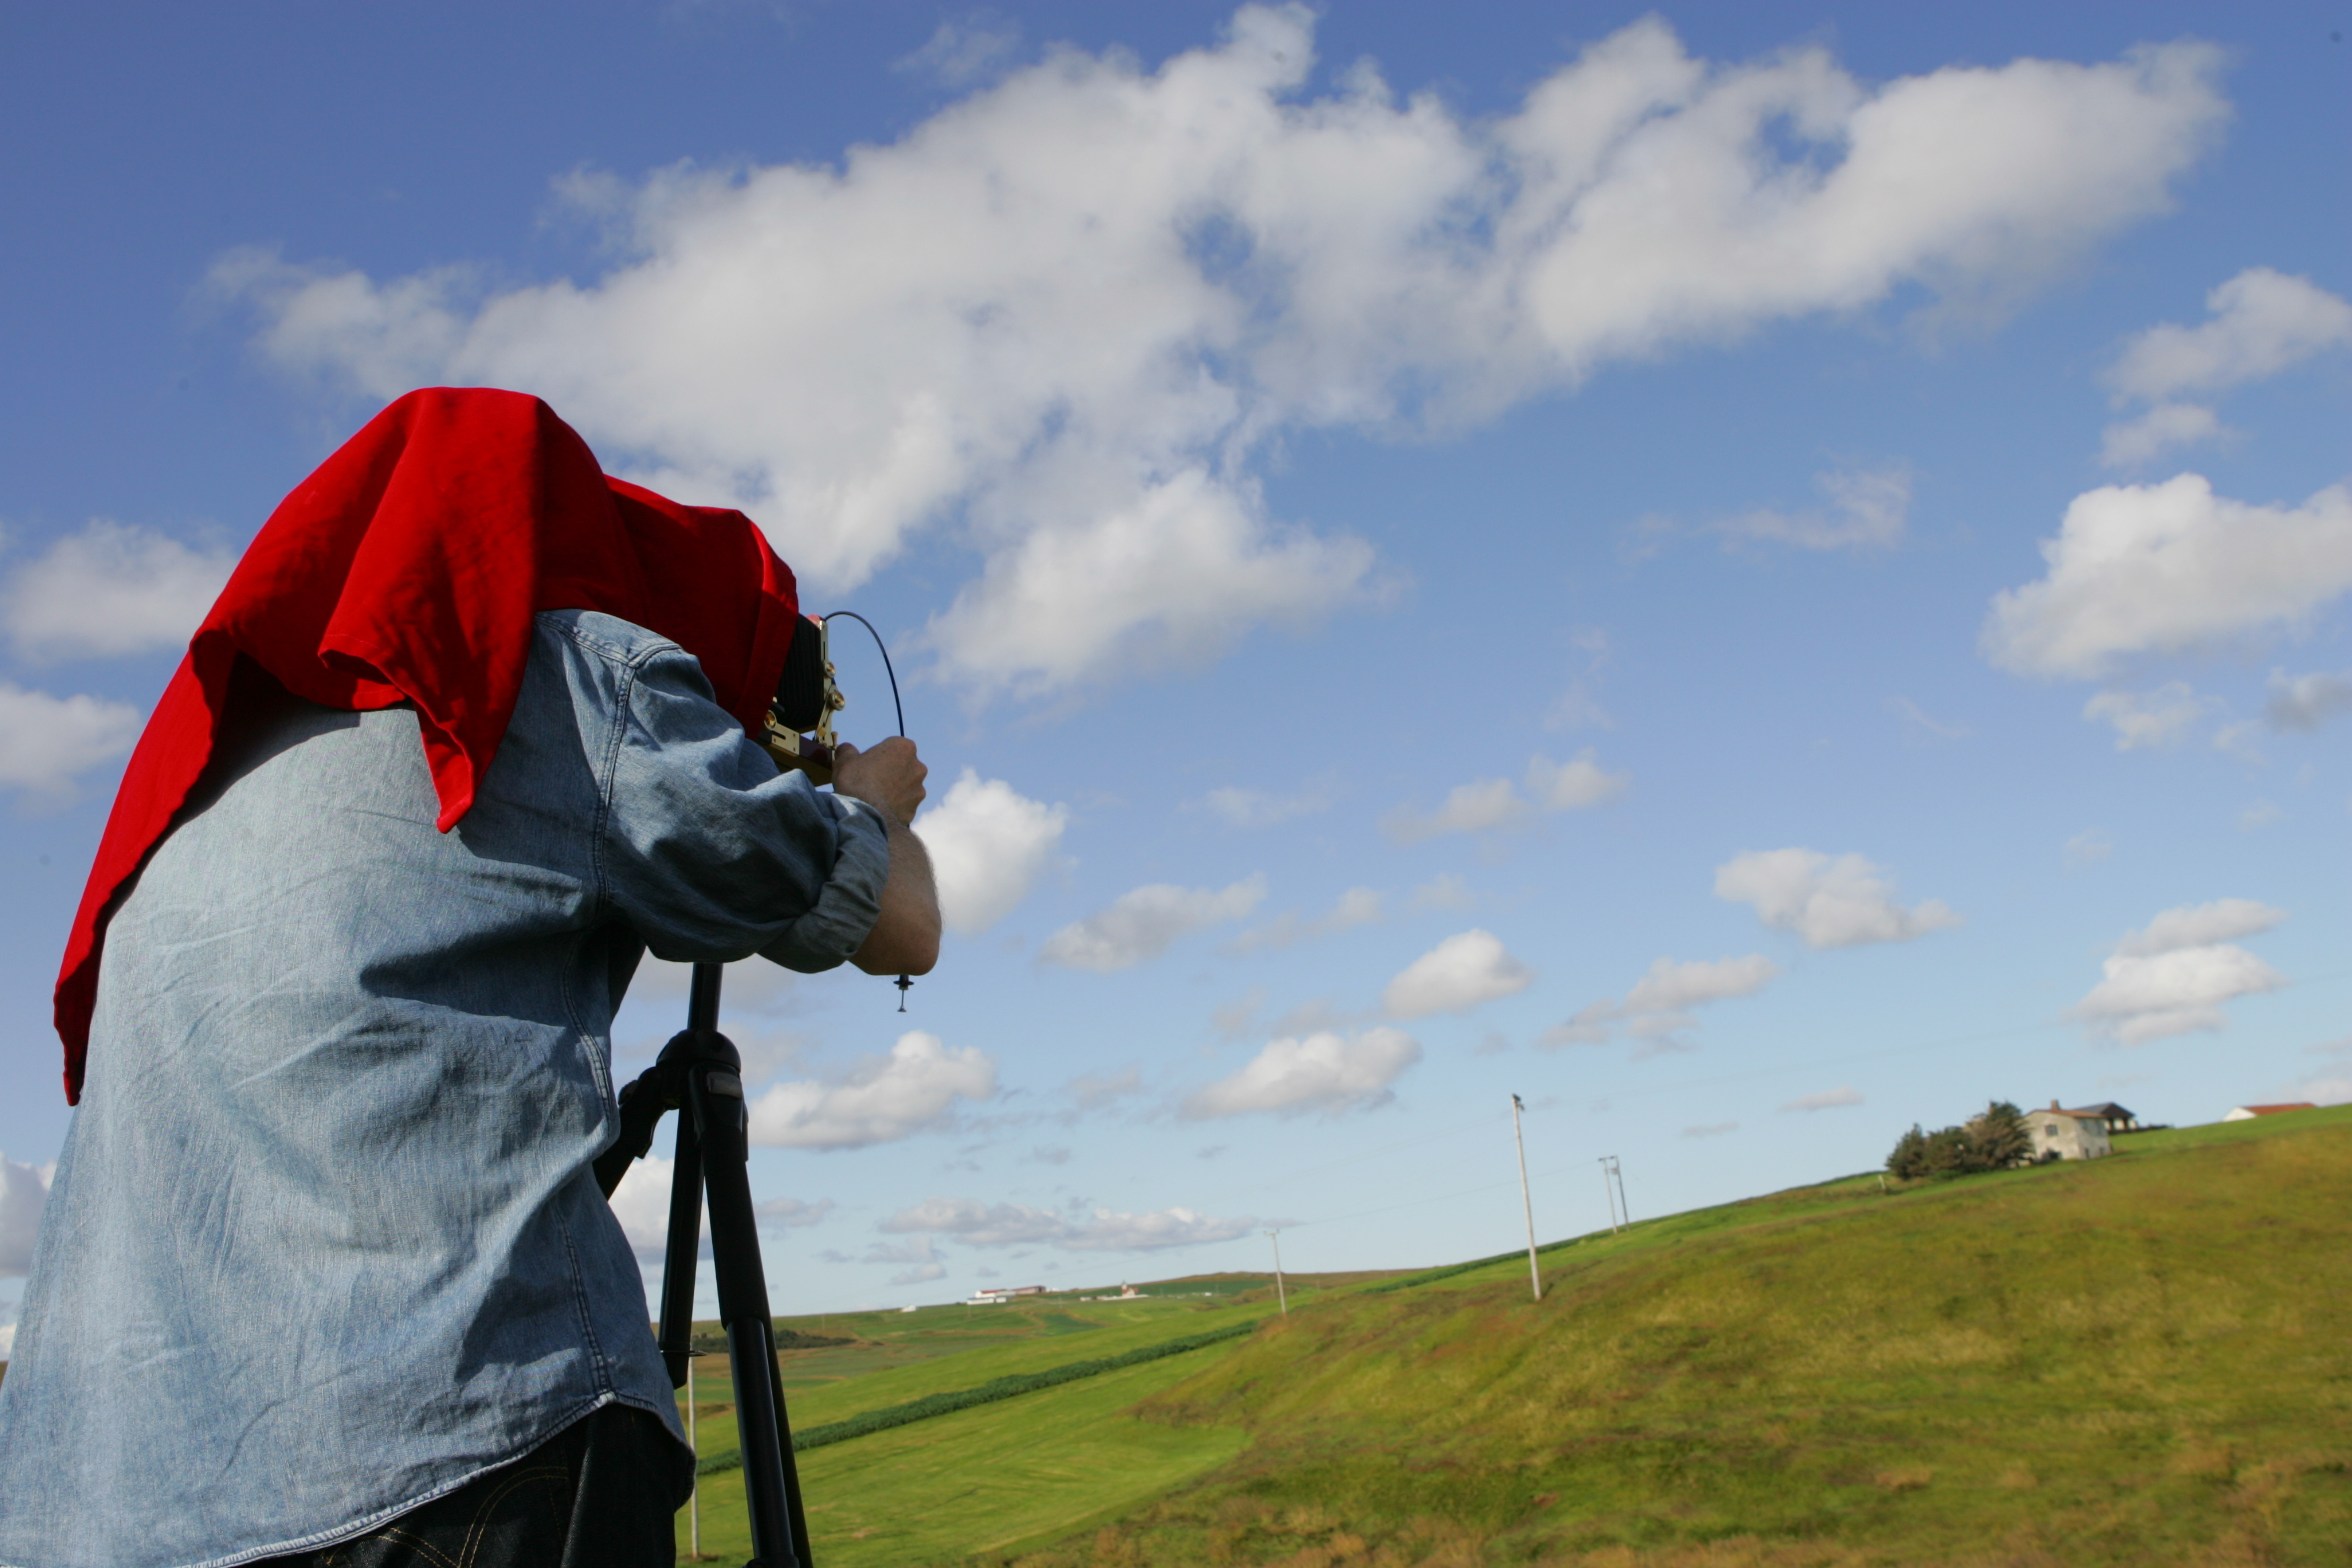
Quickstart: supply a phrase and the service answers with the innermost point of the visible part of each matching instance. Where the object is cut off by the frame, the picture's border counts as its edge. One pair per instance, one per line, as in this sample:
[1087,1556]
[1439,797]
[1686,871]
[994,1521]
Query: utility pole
[694,1498]
[1608,1164]
[1535,1274]
[1280,1296]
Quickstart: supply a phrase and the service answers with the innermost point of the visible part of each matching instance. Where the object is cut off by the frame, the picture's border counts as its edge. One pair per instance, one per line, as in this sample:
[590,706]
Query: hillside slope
[2142,1359]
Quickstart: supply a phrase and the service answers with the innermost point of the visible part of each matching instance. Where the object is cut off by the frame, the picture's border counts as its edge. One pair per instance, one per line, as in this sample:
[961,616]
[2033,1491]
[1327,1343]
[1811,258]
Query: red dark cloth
[408,568]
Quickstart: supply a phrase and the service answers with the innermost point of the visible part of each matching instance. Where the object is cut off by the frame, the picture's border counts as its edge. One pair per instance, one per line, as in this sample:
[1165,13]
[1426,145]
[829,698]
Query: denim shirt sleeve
[711,854]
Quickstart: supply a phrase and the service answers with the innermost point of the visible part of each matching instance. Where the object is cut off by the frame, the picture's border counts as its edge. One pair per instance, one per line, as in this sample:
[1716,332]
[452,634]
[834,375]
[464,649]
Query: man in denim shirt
[325,1274]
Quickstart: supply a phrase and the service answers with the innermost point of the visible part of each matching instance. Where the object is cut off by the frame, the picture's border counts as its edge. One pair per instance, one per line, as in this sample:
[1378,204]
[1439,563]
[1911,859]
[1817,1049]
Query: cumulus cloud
[2169,568]
[1066,317]
[1140,925]
[1842,902]
[24,1193]
[1483,805]
[1657,1011]
[989,845]
[2201,925]
[978,1224]
[641,1203]
[1828,1100]
[879,1100]
[2159,717]
[1326,1072]
[1464,970]
[2130,443]
[2261,321]
[2172,976]
[1867,510]
[46,741]
[110,589]
[1356,907]
[2306,701]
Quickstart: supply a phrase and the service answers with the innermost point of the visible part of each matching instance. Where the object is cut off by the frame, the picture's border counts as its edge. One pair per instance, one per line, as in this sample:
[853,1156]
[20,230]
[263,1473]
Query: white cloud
[2262,321]
[977,1224]
[1828,1100]
[1574,784]
[1325,1071]
[2175,992]
[2159,717]
[2129,442]
[2172,976]
[24,1193]
[1356,907]
[1483,805]
[960,52]
[1867,510]
[2169,568]
[2306,701]
[1262,809]
[1831,903]
[45,741]
[1140,925]
[1657,1011]
[1671,987]
[1924,724]
[878,1100]
[791,1213]
[1464,970]
[2199,925]
[1478,806]
[989,845]
[110,589]
[2091,844]
[641,1203]
[1006,322]
[1093,1090]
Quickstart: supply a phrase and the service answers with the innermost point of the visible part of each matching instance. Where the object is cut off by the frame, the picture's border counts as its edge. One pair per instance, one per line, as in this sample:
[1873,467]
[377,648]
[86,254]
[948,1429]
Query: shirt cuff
[845,914]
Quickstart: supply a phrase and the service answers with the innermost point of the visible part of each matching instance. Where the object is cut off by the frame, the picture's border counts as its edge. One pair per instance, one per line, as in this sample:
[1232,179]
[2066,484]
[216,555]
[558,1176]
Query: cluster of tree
[1993,1140]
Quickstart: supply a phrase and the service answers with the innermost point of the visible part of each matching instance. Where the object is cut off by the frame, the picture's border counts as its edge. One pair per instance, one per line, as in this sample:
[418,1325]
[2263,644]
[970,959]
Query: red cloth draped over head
[408,568]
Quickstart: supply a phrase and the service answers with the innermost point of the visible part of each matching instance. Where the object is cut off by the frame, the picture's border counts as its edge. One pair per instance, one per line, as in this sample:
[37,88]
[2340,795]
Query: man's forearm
[906,935]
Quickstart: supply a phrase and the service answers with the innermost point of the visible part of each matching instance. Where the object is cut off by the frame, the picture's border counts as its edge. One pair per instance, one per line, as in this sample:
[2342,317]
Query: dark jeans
[601,1493]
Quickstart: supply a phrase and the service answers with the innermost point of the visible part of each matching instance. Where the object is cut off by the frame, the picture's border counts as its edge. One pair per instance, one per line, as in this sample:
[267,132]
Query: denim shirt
[323,1242]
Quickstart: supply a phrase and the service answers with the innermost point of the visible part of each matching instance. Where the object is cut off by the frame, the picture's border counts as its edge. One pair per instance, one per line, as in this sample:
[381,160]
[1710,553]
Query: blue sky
[1753,576]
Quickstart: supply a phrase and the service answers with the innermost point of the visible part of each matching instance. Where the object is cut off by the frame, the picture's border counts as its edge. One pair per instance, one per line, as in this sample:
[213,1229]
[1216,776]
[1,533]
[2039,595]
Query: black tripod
[699,1076]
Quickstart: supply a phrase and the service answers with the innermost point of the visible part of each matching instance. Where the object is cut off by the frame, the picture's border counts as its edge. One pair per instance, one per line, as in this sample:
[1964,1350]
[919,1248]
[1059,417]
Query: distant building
[2061,1134]
[997,1295]
[2248,1112]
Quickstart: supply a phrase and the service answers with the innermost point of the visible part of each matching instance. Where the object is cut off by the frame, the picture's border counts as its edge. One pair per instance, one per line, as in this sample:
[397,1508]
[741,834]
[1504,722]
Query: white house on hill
[2068,1134]
[2248,1112]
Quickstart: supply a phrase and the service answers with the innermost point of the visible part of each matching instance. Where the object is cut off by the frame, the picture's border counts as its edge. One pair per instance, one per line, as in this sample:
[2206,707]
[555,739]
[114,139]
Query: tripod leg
[684,1242]
[770,1480]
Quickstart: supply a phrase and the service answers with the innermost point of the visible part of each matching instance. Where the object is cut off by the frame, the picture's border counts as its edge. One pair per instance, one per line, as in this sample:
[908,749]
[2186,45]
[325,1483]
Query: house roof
[2110,1110]
[2274,1109]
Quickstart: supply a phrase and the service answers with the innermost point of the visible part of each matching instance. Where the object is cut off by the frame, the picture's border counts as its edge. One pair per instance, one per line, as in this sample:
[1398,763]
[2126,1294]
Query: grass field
[2144,1358]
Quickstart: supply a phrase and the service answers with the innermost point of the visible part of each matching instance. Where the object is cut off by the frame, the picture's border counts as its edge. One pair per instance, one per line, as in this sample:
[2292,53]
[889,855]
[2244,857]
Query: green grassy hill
[2144,1358]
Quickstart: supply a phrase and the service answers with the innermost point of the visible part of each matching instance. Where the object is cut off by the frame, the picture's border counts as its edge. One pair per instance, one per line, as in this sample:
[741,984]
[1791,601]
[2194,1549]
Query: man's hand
[889,778]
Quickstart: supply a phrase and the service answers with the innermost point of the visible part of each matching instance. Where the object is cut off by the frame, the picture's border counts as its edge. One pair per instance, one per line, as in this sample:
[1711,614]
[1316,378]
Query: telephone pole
[1526,1202]
[1610,1173]
[1280,1296]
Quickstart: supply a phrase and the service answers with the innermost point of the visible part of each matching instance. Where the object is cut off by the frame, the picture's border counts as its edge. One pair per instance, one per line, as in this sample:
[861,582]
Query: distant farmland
[2146,1359]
